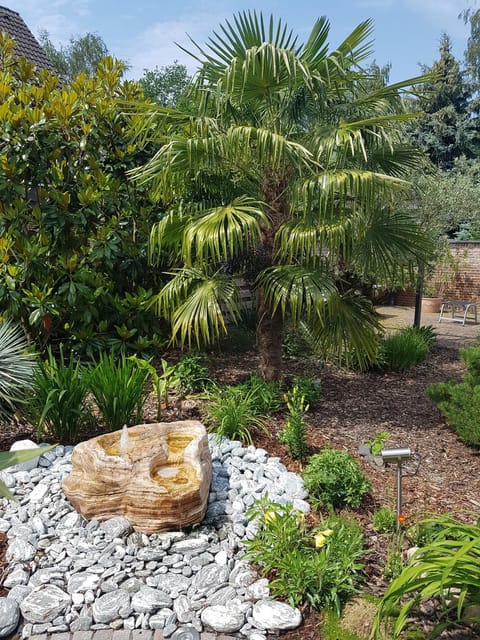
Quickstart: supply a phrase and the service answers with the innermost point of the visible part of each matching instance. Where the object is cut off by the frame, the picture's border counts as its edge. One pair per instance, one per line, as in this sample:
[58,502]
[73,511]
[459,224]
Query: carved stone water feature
[156,475]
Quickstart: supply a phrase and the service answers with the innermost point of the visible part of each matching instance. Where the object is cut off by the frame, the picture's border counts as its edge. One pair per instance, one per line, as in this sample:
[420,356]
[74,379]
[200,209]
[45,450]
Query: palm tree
[284,175]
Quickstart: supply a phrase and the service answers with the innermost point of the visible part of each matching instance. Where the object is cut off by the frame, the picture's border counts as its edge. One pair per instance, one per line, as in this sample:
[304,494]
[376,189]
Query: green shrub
[16,369]
[319,567]
[294,434]
[447,569]
[384,520]
[335,479]
[460,404]
[232,412]
[58,405]
[119,388]
[192,373]
[403,350]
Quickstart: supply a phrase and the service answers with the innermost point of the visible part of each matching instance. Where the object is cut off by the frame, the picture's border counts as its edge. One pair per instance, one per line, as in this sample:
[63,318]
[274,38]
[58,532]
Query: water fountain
[157,475]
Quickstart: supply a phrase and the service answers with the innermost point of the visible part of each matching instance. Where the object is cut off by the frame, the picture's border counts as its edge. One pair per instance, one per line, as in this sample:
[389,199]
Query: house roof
[26,43]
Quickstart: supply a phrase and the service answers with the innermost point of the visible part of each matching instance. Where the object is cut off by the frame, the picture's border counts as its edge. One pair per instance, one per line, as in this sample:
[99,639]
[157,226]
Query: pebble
[71,575]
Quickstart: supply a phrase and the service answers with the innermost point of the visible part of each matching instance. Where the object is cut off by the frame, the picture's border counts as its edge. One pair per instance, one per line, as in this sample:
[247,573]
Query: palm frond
[198,305]
[222,232]
[294,289]
[385,240]
[345,326]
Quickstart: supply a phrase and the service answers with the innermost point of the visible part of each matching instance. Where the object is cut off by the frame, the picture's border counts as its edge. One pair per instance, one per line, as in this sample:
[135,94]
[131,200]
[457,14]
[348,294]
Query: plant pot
[431,305]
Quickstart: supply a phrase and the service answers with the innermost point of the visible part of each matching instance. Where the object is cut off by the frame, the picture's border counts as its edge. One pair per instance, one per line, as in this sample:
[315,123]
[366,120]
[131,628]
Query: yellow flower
[320,540]
[321,537]
[270,516]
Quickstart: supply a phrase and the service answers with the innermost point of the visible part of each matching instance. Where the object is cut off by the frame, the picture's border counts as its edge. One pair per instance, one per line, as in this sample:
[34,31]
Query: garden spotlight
[390,456]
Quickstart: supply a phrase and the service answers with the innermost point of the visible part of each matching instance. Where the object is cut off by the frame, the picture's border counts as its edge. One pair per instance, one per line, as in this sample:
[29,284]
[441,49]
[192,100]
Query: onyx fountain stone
[156,475]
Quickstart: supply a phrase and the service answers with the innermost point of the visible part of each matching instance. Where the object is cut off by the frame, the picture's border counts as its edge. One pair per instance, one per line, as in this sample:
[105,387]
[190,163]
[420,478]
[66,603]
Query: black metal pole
[418,296]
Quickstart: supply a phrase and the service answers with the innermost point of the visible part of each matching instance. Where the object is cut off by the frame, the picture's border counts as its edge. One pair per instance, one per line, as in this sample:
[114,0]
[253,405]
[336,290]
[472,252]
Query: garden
[130,234]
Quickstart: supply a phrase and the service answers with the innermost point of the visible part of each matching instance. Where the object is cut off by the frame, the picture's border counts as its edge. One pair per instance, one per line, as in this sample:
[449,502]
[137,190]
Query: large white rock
[20,445]
[222,618]
[44,603]
[9,616]
[271,615]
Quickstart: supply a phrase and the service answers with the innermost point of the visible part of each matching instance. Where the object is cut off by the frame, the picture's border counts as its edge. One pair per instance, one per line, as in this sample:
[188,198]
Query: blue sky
[144,32]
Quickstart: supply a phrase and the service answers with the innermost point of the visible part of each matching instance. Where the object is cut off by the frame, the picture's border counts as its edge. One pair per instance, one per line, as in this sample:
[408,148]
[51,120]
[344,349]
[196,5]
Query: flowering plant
[319,567]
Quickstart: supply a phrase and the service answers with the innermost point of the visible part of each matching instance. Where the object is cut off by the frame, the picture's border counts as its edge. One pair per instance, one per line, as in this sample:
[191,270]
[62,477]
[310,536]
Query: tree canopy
[81,54]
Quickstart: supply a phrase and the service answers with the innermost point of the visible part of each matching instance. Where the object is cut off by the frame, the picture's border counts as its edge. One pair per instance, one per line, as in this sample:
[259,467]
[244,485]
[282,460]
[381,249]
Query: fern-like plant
[16,369]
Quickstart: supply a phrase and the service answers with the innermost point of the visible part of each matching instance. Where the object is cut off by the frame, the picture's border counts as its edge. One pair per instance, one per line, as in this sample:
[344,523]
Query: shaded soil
[443,475]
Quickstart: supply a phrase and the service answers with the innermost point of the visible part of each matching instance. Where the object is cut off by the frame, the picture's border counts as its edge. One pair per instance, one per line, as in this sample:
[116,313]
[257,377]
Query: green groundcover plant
[446,569]
[320,567]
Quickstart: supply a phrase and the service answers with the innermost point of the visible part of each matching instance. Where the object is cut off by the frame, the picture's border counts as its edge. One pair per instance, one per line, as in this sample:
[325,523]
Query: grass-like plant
[294,434]
[58,404]
[319,567]
[447,569]
[335,479]
[16,369]
[232,412]
[404,349]
[265,397]
[384,520]
[119,388]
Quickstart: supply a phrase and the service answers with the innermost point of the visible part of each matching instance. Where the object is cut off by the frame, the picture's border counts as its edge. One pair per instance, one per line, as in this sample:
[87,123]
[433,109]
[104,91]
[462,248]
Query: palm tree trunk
[269,340]
[269,324]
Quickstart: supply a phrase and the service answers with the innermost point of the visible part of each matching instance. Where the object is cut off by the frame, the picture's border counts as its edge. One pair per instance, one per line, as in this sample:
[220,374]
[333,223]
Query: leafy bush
[404,349]
[73,264]
[377,442]
[16,369]
[448,569]
[192,373]
[335,479]
[232,412]
[320,567]
[58,404]
[119,389]
[294,434]
[384,520]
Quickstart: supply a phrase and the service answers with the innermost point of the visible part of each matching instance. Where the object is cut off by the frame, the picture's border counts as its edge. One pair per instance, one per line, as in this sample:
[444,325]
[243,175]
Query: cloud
[61,18]
[156,46]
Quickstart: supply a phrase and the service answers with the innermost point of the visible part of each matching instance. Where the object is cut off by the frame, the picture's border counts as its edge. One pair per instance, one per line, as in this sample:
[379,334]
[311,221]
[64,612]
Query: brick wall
[461,279]
[457,280]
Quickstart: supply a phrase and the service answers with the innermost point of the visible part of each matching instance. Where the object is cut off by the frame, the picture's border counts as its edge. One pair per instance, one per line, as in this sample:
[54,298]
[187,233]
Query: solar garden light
[392,456]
